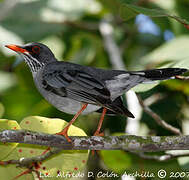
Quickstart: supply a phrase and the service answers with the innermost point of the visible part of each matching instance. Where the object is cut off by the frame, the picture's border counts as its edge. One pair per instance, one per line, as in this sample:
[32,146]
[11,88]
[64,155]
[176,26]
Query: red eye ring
[36,49]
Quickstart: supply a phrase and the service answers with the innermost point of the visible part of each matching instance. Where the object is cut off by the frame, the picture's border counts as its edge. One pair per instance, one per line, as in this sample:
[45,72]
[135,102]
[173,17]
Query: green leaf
[6,148]
[178,64]
[30,27]
[45,17]
[60,10]
[149,12]
[8,37]
[11,171]
[174,50]
[177,85]
[66,161]
[84,48]
[2,110]
[184,163]
[112,5]
[49,125]
[145,87]
[7,80]
[146,11]
[55,44]
[131,163]
[168,4]
[127,13]
[172,54]
[112,157]
[129,1]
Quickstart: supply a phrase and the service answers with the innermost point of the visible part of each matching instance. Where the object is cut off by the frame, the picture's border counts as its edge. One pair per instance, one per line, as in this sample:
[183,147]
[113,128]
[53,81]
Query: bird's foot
[64,133]
[97,133]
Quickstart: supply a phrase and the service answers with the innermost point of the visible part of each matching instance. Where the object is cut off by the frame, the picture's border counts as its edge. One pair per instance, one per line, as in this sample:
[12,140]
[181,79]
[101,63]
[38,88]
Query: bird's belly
[68,105]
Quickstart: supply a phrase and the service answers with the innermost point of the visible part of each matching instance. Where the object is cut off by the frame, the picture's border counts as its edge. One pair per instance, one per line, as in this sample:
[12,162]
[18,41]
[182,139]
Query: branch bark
[126,142]
[165,157]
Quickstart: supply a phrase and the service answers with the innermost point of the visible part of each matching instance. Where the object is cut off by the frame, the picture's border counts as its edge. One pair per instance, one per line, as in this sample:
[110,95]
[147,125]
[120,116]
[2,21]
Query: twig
[153,98]
[164,157]
[127,142]
[158,119]
[111,47]
[113,50]
[23,173]
[106,29]
[185,78]
[30,163]
[26,162]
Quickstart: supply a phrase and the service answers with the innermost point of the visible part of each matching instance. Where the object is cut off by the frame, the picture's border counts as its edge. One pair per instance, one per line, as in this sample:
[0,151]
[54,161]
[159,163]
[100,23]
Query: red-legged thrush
[74,88]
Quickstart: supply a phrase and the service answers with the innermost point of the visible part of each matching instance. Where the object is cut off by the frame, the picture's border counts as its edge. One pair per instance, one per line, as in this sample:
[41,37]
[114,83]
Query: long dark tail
[160,74]
[127,80]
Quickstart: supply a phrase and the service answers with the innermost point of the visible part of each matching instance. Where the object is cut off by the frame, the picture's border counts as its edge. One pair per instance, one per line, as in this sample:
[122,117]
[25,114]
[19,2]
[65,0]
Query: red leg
[97,133]
[23,173]
[44,152]
[64,132]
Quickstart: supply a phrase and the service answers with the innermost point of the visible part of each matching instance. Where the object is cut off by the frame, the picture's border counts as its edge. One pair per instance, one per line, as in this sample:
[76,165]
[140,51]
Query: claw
[64,133]
[98,134]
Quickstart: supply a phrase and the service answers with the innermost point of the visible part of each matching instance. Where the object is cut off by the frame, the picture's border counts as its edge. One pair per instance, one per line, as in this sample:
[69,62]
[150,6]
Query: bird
[76,89]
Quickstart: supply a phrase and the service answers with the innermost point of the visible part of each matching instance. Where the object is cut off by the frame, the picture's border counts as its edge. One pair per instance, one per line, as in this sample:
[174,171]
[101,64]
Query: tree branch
[164,157]
[27,161]
[185,78]
[158,119]
[127,142]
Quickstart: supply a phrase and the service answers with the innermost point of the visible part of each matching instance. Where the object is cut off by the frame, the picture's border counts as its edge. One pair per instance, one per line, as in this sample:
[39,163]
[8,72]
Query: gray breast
[63,104]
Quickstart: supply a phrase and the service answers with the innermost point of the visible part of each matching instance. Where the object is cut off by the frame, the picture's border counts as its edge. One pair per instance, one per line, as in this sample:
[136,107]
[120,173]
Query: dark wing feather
[76,84]
[117,107]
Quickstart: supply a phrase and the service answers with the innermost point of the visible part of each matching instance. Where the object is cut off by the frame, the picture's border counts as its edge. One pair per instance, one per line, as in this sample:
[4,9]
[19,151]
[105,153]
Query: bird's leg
[64,132]
[97,133]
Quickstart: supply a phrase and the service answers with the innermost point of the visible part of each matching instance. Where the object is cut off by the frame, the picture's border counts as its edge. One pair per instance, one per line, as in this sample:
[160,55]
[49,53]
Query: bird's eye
[36,49]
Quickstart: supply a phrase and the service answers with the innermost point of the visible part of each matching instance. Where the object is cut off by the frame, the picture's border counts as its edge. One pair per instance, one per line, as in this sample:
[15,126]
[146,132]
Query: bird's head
[36,55]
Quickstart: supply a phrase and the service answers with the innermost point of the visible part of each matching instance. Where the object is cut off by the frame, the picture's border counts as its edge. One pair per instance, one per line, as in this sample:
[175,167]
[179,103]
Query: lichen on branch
[126,142]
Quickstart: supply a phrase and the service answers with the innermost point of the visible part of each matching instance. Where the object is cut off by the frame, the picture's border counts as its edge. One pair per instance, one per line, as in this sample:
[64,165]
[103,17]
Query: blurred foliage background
[71,30]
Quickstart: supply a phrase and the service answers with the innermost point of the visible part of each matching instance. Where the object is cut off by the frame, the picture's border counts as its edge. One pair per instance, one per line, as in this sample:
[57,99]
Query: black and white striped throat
[32,62]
